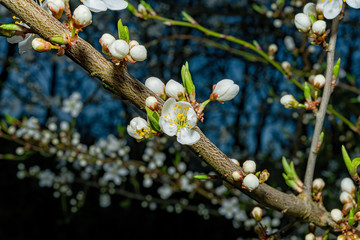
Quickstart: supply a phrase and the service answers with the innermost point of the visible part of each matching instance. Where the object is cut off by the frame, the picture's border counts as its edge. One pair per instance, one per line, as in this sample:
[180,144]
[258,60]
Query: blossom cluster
[180,112]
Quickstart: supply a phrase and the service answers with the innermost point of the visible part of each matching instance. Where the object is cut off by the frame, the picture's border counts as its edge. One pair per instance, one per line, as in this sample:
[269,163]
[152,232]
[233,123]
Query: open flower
[332,8]
[138,128]
[179,118]
[103,5]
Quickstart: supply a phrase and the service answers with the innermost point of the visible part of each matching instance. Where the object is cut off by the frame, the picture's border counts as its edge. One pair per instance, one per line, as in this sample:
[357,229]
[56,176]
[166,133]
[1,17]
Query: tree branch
[122,83]
[320,116]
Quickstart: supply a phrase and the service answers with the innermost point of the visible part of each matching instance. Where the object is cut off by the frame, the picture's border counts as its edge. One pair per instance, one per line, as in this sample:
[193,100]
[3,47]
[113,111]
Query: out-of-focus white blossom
[114,172]
[73,104]
[347,185]
[289,101]
[336,215]
[138,128]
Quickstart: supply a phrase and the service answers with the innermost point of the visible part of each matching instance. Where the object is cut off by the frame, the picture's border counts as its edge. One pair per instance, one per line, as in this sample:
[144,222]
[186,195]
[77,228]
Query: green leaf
[187,81]
[348,162]
[201,177]
[286,166]
[351,219]
[307,93]
[356,162]
[337,68]
[123,31]
[153,117]
[10,120]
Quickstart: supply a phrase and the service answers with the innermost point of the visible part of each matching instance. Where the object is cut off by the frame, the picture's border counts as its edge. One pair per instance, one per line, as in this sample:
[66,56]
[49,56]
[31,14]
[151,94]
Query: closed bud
[119,49]
[319,81]
[310,9]
[58,39]
[302,22]
[345,197]
[133,43]
[318,185]
[289,101]
[82,17]
[341,237]
[347,207]
[224,90]
[152,103]
[347,185]
[310,236]
[156,85]
[175,90]
[251,182]
[105,41]
[336,215]
[286,66]
[138,53]
[237,176]
[257,213]
[56,7]
[249,166]
[40,45]
[235,161]
[264,176]
[319,27]
[273,48]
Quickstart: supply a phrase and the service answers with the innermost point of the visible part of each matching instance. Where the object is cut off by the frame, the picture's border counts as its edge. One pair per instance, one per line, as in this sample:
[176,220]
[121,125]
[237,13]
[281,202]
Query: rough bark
[125,85]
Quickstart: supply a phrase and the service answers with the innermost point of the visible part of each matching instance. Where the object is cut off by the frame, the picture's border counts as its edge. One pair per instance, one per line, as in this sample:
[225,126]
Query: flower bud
[133,43]
[175,90]
[347,185]
[347,207]
[105,41]
[56,7]
[251,182]
[345,197]
[319,27]
[310,9]
[341,237]
[286,66]
[289,101]
[302,22]
[257,213]
[318,185]
[235,161]
[249,166]
[138,128]
[40,45]
[310,236]
[273,48]
[264,176]
[152,103]
[119,49]
[224,90]
[237,176]
[336,215]
[82,17]
[319,81]
[138,53]
[155,85]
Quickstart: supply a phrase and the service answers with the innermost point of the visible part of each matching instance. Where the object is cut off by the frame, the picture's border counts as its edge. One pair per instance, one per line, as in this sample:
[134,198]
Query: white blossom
[332,8]
[249,166]
[347,185]
[114,172]
[165,191]
[105,41]
[73,104]
[319,27]
[302,22]
[179,118]
[82,16]
[345,197]
[46,178]
[138,128]
[155,85]
[229,207]
[174,89]
[103,5]
[225,90]
[336,215]
[251,182]
[138,53]
[119,49]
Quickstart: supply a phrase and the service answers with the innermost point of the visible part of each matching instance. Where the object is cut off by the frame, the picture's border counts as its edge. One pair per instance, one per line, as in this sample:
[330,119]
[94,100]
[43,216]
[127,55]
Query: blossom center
[180,117]
[142,132]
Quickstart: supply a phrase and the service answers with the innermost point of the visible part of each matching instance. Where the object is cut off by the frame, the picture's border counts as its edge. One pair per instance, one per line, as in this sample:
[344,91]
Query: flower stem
[320,116]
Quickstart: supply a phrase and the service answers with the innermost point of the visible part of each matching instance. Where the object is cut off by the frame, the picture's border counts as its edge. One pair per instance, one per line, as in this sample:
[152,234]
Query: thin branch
[320,116]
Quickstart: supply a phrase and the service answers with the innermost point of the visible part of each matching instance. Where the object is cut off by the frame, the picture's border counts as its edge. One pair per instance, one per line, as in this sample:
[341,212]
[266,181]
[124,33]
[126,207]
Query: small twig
[283,230]
[320,116]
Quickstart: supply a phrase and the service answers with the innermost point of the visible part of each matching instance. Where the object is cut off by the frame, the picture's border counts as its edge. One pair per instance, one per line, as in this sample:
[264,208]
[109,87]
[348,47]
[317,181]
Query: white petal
[95,5]
[15,39]
[229,94]
[332,9]
[116,4]
[353,3]
[168,105]
[191,117]
[168,129]
[222,86]
[188,136]
[26,45]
